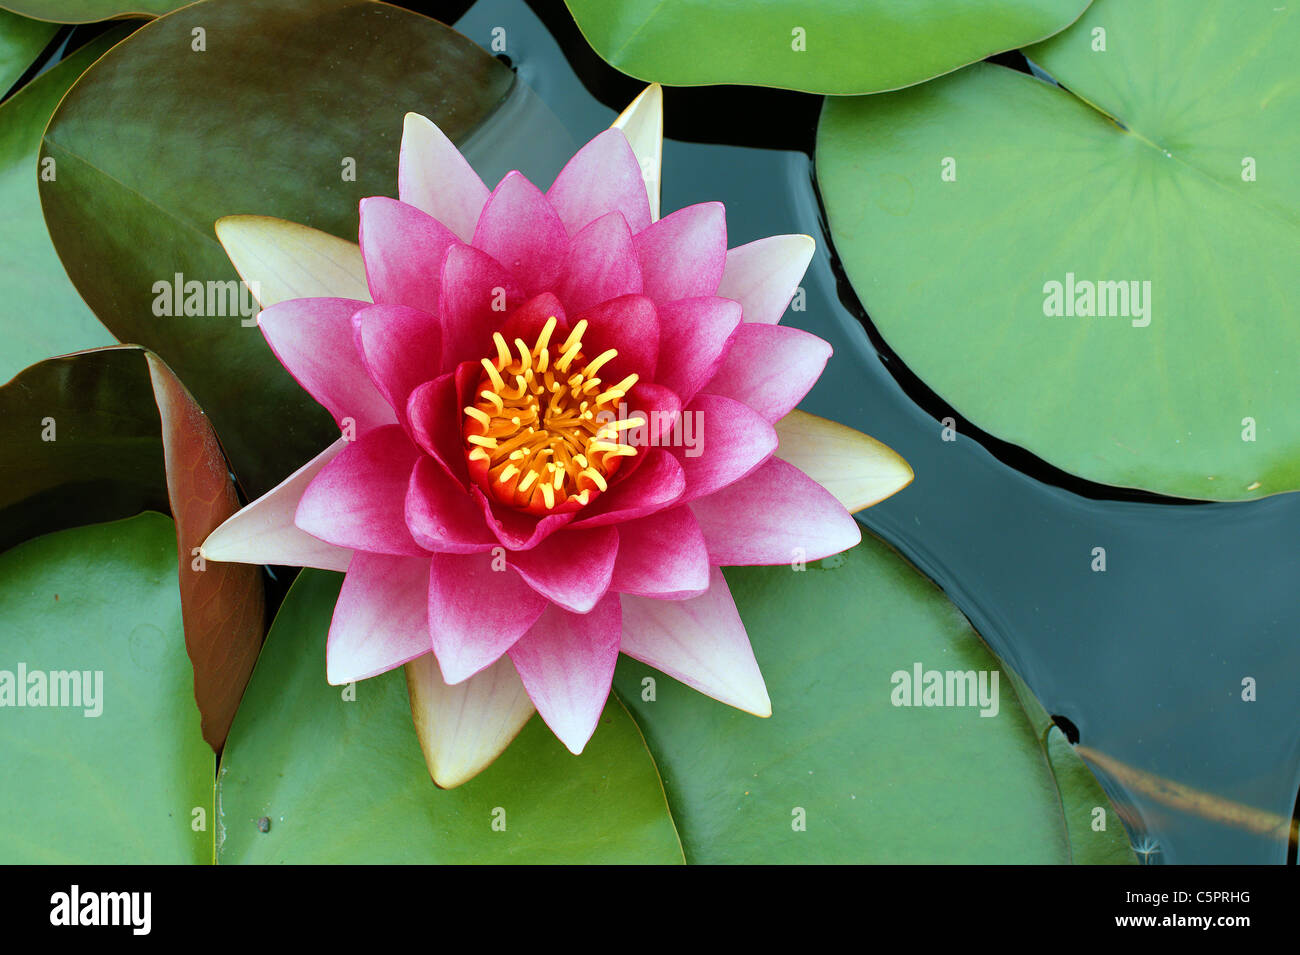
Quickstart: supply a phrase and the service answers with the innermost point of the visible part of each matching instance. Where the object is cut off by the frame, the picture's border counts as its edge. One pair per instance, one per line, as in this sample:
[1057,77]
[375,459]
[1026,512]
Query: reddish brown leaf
[223,605]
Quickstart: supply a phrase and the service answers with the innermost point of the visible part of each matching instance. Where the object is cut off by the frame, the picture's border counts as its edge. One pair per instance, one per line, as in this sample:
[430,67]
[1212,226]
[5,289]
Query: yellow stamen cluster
[543,433]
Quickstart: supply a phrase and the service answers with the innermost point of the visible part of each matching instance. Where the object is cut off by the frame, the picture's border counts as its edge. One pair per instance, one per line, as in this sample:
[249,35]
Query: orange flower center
[543,434]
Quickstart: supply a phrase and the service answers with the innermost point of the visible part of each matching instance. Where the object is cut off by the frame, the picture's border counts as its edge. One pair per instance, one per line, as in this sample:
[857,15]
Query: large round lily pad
[832,46]
[1100,273]
[117,772]
[845,770]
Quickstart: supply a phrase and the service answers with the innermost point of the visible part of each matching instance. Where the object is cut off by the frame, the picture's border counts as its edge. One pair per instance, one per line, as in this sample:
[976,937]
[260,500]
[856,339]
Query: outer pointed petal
[744,375]
[855,467]
[567,664]
[643,124]
[434,177]
[314,339]
[603,176]
[476,612]
[684,254]
[463,728]
[520,229]
[772,516]
[264,531]
[763,275]
[381,619]
[701,642]
[279,260]
[404,251]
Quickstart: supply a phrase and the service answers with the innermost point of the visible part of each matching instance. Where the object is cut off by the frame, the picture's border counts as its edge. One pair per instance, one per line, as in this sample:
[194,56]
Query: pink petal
[658,407]
[701,642]
[527,321]
[477,293]
[478,607]
[694,335]
[434,412]
[264,531]
[359,499]
[746,372]
[774,516]
[683,255]
[515,530]
[763,275]
[662,556]
[567,664]
[403,249]
[602,177]
[401,348]
[657,483]
[434,177]
[720,441]
[520,230]
[313,339]
[601,264]
[629,325]
[571,569]
[381,619]
[441,515]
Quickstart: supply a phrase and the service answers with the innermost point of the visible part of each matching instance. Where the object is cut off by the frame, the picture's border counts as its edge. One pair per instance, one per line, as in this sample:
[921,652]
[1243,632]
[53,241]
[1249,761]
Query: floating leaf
[125,776]
[840,773]
[832,46]
[1163,167]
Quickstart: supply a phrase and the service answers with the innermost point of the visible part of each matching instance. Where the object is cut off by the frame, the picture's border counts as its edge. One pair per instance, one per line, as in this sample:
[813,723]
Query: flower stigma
[543,434]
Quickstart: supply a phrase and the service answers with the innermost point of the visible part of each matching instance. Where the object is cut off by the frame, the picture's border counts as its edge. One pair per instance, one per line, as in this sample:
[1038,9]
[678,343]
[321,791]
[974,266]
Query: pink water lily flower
[560,416]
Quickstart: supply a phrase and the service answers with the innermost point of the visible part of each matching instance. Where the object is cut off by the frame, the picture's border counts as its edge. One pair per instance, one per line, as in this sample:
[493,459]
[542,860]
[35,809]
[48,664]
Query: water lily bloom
[561,415]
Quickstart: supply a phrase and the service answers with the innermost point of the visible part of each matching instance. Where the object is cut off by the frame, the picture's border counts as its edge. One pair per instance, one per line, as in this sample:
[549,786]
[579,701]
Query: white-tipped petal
[381,619]
[855,467]
[463,728]
[701,642]
[433,176]
[264,531]
[763,275]
[643,124]
[280,260]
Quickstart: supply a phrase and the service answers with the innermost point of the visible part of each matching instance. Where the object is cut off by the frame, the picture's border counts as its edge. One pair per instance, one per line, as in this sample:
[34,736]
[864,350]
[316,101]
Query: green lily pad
[338,780]
[41,313]
[21,41]
[954,206]
[832,46]
[158,140]
[124,777]
[90,11]
[869,780]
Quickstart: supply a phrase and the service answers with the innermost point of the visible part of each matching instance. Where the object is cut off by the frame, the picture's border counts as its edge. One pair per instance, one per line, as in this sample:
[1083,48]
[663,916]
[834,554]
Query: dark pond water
[1145,661]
